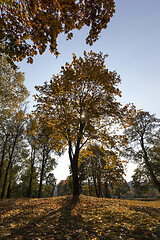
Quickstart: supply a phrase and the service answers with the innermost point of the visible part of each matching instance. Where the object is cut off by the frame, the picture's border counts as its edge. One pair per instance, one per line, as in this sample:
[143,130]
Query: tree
[17,167]
[32,138]
[16,131]
[102,167]
[142,138]
[42,21]
[42,135]
[50,185]
[81,104]
[140,182]
[13,95]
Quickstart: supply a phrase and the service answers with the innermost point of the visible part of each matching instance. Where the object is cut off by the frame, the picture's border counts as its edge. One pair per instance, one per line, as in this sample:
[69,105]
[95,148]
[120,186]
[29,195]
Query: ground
[86,218]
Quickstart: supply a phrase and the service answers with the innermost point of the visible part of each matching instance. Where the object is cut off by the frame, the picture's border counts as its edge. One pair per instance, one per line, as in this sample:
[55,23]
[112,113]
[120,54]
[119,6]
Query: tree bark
[74,161]
[32,171]
[99,185]
[74,167]
[7,170]
[44,160]
[107,193]
[41,180]
[10,181]
[3,155]
[149,167]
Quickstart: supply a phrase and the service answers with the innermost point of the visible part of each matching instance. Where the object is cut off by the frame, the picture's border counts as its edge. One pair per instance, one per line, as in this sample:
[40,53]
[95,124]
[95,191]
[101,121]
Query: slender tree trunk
[3,155]
[5,179]
[52,192]
[45,157]
[10,181]
[7,170]
[41,181]
[32,171]
[149,167]
[107,193]
[89,186]
[95,186]
[99,186]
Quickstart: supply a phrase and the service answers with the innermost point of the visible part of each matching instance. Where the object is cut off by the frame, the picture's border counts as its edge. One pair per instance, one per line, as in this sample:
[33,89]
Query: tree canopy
[42,21]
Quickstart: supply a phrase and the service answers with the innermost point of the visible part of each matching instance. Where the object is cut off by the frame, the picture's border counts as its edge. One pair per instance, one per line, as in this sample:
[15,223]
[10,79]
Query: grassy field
[86,218]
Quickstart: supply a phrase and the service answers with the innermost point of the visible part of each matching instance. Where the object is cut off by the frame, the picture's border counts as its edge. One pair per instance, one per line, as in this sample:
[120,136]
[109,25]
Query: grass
[84,218]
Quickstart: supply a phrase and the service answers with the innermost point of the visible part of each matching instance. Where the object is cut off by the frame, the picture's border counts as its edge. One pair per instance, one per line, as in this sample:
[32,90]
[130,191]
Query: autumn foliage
[84,218]
[80,103]
[42,21]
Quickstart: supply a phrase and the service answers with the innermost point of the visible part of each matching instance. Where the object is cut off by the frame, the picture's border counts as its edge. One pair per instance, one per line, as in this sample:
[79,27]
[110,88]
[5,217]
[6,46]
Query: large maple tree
[81,103]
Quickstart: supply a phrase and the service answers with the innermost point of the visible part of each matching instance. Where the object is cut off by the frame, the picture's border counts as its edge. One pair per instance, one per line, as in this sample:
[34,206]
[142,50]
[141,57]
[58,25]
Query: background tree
[16,132]
[43,21]
[141,182]
[143,142]
[20,157]
[13,94]
[47,146]
[81,104]
[32,138]
[50,185]
[102,167]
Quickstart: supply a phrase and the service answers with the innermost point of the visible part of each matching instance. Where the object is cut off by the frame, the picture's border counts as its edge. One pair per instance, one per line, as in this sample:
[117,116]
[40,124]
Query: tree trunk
[3,155]
[89,186]
[149,167]
[5,179]
[7,170]
[42,173]
[74,161]
[74,167]
[10,181]
[99,186]
[107,193]
[95,186]
[32,171]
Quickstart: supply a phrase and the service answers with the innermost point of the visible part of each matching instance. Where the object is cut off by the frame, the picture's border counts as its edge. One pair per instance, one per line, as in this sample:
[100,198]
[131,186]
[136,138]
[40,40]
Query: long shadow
[58,224]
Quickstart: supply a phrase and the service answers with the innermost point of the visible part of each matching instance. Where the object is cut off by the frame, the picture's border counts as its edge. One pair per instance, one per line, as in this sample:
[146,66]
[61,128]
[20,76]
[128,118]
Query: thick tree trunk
[149,167]
[74,161]
[74,167]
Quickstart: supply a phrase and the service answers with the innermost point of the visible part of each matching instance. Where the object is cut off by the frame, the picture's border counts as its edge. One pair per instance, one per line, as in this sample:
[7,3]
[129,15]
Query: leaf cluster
[29,26]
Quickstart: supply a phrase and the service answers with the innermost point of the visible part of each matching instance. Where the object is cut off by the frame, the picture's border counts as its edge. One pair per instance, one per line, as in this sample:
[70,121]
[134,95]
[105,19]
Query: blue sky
[132,41]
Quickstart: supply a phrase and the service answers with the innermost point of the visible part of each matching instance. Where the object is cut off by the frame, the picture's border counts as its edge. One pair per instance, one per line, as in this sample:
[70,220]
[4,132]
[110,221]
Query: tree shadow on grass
[63,223]
[67,220]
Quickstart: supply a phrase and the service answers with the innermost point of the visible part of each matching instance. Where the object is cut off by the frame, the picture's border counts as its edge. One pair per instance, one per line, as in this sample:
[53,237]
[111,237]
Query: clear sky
[132,41]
